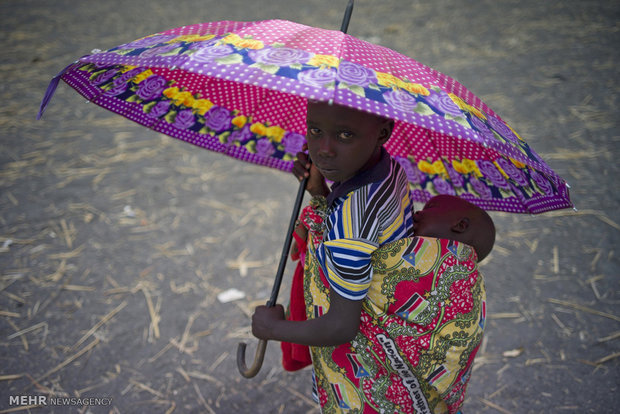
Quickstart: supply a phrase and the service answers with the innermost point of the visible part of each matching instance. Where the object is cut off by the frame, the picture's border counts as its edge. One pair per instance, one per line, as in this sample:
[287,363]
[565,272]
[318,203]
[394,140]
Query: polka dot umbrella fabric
[241,89]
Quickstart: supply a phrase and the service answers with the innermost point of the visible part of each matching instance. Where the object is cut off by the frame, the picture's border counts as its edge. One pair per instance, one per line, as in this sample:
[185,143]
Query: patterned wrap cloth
[421,325]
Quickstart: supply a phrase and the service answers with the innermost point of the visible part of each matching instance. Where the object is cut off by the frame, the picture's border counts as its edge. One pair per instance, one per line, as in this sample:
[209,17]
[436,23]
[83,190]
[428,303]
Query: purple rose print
[444,103]
[241,135]
[317,77]
[280,56]
[148,41]
[442,186]
[513,172]
[400,100]
[159,109]
[354,74]
[455,177]
[264,148]
[202,43]
[104,77]
[184,119]
[542,182]
[212,50]
[492,173]
[482,128]
[151,87]
[117,89]
[218,119]
[129,75]
[518,193]
[293,142]
[501,128]
[156,51]
[411,171]
[481,188]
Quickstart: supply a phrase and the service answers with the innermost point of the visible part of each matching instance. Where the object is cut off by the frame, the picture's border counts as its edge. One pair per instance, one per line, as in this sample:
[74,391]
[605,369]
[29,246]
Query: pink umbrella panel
[240,88]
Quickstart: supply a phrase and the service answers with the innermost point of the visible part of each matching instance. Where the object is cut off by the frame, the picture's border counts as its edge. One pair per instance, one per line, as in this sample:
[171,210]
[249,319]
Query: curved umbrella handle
[258,359]
[262,345]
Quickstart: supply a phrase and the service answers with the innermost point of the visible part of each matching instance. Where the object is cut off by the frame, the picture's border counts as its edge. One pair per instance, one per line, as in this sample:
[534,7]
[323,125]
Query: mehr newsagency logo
[45,401]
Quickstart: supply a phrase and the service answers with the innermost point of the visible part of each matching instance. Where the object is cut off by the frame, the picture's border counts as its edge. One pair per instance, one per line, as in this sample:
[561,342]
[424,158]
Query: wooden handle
[258,359]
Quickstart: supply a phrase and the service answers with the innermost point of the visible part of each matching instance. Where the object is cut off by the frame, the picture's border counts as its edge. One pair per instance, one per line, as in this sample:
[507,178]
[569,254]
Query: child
[356,334]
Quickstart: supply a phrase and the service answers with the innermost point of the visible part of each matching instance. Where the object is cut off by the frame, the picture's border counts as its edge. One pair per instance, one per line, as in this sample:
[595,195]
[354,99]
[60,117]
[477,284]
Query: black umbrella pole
[347,17]
[262,345]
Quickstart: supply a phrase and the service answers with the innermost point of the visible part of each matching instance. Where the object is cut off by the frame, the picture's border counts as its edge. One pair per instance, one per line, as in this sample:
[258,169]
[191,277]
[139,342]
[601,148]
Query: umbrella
[241,88]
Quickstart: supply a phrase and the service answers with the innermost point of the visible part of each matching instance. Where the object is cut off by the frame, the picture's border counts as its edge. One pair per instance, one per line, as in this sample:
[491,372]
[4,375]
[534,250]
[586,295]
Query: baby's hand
[264,319]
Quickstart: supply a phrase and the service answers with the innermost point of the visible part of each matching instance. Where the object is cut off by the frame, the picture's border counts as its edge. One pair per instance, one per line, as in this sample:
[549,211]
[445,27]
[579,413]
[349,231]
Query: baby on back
[453,218]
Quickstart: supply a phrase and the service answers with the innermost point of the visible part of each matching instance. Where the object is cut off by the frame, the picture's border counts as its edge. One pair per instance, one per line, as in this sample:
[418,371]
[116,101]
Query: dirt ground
[116,241]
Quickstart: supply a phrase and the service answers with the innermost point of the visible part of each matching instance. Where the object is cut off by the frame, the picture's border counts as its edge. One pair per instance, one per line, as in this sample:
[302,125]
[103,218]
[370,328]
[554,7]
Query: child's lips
[326,169]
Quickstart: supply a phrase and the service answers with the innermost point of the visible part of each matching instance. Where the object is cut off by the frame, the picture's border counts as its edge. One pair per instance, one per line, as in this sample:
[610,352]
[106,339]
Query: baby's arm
[338,326]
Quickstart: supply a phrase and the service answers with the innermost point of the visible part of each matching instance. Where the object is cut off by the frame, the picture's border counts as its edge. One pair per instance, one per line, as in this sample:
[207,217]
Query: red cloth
[295,356]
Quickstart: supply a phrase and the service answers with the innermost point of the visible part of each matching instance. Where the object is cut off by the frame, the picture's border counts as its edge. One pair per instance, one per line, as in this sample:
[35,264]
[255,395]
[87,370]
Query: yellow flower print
[275,133]
[466,107]
[470,166]
[231,38]
[191,38]
[425,167]
[143,75]
[461,103]
[202,105]
[459,167]
[240,121]
[414,88]
[171,92]
[517,164]
[324,60]
[439,168]
[244,43]
[259,129]
[387,79]
[184,98]
[179,97]
[476,112]
[250,44]
[127,68]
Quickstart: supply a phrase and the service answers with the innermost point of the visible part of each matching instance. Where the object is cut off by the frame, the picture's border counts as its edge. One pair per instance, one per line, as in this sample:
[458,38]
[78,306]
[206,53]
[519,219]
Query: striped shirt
[366,212]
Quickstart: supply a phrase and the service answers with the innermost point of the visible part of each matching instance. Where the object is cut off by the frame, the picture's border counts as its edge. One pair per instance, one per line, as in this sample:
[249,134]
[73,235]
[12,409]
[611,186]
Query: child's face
[342,141]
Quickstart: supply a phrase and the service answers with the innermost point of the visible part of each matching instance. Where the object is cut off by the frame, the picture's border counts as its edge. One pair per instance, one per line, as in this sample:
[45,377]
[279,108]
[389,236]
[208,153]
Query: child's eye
[314,131]
[345,135]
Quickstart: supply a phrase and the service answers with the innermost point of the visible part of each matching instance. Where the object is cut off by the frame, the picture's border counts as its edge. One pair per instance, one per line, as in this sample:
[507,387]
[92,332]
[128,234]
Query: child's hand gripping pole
[262,344]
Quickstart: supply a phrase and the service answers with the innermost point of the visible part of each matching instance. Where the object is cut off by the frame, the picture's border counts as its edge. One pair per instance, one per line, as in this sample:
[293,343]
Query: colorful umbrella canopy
[240,88]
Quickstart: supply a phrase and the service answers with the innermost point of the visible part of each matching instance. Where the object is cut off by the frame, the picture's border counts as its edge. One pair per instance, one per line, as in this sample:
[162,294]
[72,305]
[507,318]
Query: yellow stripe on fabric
[347,217]
[356,245]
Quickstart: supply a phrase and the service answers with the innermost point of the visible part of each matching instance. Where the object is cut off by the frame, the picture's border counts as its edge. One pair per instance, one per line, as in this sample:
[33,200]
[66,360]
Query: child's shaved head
[451,217]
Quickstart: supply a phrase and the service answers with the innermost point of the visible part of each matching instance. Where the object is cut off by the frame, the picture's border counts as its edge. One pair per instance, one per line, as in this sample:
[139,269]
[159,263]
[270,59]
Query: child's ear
[461,226]
[386,131]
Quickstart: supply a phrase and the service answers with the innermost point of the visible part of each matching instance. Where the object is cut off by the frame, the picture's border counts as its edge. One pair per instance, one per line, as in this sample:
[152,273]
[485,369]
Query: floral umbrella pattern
[240,88]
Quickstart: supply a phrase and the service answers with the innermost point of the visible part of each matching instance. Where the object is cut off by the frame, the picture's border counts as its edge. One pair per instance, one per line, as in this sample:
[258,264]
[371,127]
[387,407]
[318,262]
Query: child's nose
[326,147]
